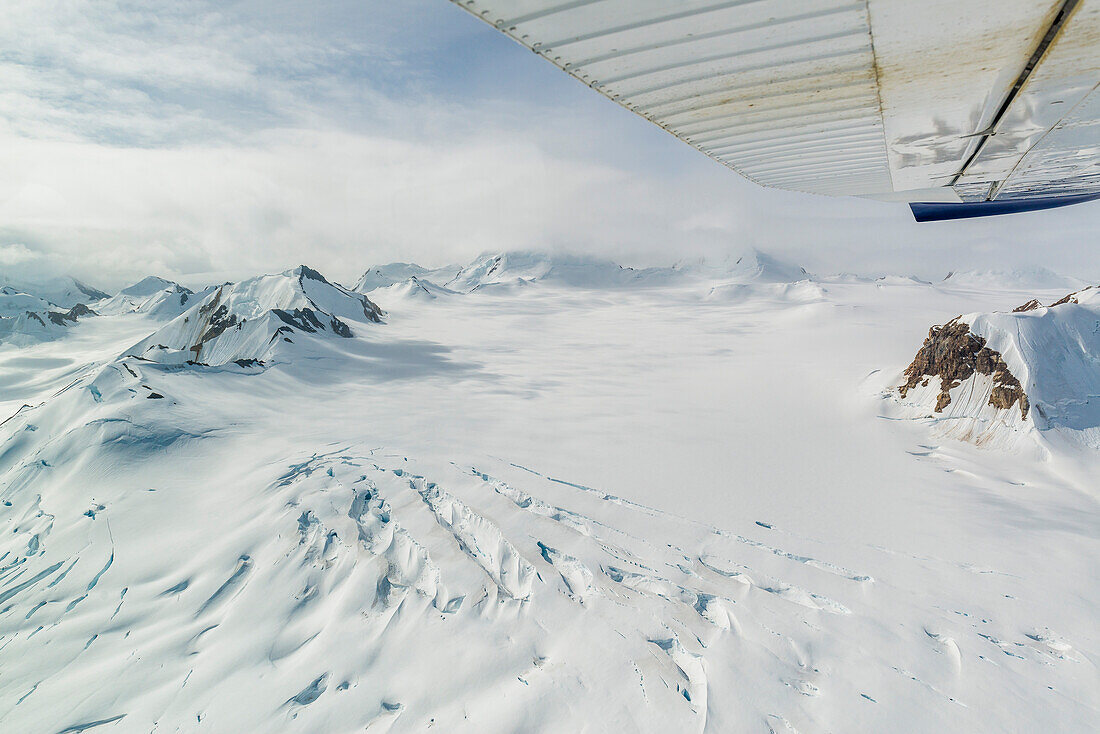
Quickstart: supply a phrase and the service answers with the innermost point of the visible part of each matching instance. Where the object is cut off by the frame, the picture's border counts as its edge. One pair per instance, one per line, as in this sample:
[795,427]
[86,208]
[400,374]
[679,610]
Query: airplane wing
[966,106]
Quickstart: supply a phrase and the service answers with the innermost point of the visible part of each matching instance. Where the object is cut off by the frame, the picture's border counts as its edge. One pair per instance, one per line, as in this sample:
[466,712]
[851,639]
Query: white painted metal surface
[890,99]
[1055,120]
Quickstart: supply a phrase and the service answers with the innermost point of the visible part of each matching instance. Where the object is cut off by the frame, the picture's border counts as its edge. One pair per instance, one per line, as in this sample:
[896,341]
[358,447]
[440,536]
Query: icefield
[543,493]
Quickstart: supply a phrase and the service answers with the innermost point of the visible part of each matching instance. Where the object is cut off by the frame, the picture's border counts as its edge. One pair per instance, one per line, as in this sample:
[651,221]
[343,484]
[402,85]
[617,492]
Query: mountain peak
[308,273]
[151,284]
[60,290]
[383,276]
[250,320]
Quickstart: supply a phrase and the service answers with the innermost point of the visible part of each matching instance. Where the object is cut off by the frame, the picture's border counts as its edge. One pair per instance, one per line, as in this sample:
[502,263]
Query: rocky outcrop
[1074,297]
[953,354]
[63,318]
[29,326]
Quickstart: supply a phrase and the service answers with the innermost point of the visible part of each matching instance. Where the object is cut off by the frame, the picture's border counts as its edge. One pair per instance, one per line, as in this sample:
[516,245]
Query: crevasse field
[547,494]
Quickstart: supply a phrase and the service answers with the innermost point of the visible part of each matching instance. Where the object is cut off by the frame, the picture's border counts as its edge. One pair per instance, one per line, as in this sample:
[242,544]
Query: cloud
[335,199]
[17,254]
[214,140]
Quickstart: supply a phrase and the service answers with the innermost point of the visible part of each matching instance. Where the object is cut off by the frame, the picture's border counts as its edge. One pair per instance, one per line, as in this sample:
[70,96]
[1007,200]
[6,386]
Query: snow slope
[565,509]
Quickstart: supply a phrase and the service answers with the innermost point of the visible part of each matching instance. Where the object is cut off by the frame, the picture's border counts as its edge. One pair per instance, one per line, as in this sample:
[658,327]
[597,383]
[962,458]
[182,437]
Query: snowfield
[550,494]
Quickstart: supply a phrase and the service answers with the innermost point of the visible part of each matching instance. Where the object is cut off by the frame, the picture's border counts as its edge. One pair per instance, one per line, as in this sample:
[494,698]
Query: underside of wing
[931,101]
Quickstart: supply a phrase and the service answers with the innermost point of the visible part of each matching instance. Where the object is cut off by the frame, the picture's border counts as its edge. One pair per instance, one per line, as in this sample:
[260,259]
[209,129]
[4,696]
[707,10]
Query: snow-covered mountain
[804,291]
[413,289]
[987,376]
[41,308]
[553,507]
[749,266]
[62,291]
[14,302]
[152,295]
[1018,279]
[382,276]
[251,320]
[519,267]
[25,319]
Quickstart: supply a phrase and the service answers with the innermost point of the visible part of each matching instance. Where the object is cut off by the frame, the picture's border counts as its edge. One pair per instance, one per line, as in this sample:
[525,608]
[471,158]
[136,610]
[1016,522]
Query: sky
[205,141]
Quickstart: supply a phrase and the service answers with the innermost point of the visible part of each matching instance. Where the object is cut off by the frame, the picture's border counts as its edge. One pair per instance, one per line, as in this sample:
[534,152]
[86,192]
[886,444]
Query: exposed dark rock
[340,328]
[300,318]
[93,293]
[218,319]
[64,318]
[952,353]
[248,362]
[1071,297]
[309,273]
[371,310]
[280,330]
[1029,306]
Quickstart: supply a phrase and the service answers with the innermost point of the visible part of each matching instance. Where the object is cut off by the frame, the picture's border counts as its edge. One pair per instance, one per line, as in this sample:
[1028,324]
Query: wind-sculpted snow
[343,571]
[249,321]
[346,590]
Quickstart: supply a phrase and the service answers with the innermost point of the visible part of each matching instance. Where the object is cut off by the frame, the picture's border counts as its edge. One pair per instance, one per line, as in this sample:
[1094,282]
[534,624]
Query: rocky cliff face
[953,353]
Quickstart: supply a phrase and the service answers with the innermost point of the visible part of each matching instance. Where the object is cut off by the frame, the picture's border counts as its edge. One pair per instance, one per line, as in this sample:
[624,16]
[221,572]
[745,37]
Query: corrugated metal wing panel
[944,69]
[1064,161]
[892,99]
[1049,143]
[782,92]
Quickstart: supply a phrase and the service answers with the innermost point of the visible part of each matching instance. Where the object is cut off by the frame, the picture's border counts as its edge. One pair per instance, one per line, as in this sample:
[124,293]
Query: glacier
[556,495]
